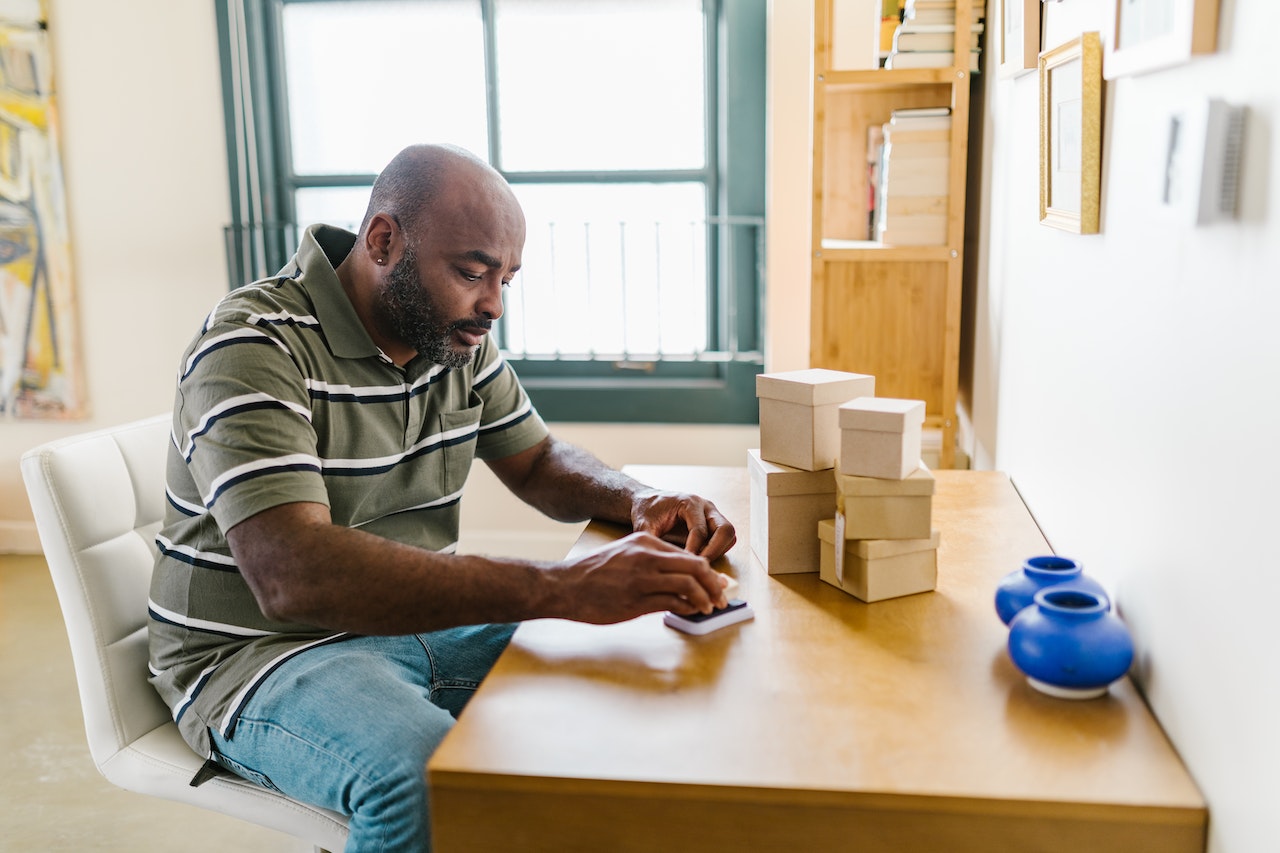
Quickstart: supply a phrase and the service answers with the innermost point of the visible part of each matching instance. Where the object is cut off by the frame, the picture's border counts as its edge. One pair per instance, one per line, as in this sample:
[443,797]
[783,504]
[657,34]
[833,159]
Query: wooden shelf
[889,310]
[890,78]
[870,250]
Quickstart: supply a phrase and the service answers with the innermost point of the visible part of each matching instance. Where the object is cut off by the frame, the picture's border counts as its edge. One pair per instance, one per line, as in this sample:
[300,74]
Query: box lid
[881,414]
[784,480]
[878,549]
[816,386]
[918,482]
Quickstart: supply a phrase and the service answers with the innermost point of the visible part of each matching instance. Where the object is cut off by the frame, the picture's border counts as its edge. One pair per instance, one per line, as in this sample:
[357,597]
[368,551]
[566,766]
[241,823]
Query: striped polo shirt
[284,397]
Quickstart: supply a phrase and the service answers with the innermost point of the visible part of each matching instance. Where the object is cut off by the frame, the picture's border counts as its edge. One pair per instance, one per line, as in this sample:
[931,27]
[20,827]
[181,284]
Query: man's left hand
[670,515]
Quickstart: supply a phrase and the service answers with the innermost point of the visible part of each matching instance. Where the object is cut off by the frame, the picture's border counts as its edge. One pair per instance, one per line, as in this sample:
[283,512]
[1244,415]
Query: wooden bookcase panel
[888,320]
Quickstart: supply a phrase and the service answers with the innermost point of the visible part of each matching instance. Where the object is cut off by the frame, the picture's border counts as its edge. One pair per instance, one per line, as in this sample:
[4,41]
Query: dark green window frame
[717,388]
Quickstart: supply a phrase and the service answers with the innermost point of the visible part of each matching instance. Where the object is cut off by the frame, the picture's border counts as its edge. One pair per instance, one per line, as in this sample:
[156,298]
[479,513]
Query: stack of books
[913,177]
[926,36]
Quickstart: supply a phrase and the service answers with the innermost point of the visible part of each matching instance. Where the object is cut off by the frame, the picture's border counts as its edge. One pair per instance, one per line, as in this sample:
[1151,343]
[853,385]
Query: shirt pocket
[458,433]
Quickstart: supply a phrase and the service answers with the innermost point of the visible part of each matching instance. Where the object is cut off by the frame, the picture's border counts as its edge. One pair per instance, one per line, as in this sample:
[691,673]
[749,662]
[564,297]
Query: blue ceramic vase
[1069,644]
[1017,589]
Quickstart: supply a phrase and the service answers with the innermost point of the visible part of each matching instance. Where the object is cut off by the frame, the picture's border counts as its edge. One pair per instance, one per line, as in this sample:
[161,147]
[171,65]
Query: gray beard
[413,316]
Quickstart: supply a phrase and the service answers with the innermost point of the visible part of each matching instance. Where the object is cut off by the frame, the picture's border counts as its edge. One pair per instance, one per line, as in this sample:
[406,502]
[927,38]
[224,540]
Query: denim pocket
[248,773]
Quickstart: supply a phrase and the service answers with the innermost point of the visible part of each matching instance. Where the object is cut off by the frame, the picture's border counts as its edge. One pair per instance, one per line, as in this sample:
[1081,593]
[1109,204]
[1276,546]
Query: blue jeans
[349,726]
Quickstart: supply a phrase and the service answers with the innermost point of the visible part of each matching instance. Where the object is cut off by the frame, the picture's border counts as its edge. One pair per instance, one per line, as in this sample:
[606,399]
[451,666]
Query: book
[919,112]
[938,12]
[875,190]
[896,150]
[916,27]
[903,133]
[919,125]
[910,7]
[928,59]
[927,118]
[938,15]
[900,184]
[912,186]
[932,38]
[912,178]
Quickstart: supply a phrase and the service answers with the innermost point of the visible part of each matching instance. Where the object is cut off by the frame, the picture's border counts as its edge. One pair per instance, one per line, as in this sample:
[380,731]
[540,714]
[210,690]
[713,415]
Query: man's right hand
[638,574]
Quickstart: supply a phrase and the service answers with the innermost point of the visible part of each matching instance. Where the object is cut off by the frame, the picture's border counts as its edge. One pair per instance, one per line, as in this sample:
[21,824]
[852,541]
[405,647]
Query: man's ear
[382,238]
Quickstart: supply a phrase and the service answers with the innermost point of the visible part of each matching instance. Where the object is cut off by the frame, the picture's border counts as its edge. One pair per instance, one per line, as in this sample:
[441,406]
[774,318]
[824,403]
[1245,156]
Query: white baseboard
[19,537]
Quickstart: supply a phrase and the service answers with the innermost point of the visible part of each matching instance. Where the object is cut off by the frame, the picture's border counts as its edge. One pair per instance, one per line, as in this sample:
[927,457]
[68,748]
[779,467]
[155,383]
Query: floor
[52,796]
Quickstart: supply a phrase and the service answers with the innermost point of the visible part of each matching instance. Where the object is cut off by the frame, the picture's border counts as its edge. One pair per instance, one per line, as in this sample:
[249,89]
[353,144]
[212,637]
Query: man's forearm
[304,569]
[570,484]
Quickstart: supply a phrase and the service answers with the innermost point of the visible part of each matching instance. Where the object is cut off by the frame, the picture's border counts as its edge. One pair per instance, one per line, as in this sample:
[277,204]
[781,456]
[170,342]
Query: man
[312,627]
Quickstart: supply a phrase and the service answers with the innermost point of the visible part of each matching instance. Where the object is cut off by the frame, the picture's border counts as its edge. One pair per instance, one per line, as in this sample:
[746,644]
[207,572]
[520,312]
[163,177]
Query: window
[632,131]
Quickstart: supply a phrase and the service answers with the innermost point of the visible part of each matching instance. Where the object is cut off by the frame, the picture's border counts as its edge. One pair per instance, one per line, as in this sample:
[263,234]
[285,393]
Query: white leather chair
[98,500]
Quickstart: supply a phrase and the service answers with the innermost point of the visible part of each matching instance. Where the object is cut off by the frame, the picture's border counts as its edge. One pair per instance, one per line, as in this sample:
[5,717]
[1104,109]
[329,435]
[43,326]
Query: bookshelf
[889,310]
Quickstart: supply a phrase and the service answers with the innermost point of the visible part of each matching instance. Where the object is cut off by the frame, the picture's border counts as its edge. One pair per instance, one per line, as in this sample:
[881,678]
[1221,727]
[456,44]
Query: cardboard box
[876,569]
[880,437]
[878,508]
[799,425]
[786,505]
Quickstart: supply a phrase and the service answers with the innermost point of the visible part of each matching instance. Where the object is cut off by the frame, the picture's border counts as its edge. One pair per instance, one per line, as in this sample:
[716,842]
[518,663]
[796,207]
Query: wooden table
[823,724]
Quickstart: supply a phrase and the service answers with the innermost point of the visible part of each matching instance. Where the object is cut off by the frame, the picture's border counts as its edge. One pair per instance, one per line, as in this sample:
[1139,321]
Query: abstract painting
[40,372]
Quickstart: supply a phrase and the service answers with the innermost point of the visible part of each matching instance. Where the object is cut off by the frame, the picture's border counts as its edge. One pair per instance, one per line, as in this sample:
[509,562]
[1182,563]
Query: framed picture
[1019,37]
[1071,134]
[1149,34]
[1200,169]
[41,364]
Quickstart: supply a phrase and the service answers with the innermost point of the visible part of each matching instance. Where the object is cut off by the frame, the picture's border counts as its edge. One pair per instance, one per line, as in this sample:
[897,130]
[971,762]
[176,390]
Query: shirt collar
[321,250]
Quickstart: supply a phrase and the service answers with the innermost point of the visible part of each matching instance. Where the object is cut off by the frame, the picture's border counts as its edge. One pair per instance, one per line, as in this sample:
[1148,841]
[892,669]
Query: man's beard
[413,316]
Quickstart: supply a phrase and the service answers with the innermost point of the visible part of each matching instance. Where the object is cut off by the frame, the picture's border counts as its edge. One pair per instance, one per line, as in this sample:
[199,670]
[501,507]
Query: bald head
[441,238]
[413,180]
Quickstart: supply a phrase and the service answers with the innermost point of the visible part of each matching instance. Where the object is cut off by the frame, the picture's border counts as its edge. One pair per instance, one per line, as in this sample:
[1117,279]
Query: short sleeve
[509,422]
[243,423]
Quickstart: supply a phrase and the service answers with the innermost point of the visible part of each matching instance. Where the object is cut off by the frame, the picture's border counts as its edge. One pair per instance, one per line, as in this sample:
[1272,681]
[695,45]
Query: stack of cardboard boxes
[837,464]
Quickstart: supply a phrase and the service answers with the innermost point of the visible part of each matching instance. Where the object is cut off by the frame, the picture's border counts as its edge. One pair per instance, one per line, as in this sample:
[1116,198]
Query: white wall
[1138,400]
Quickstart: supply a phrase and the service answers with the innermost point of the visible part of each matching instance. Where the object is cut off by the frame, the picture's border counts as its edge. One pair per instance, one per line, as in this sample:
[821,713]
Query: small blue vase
[1017,589]
[1069,644]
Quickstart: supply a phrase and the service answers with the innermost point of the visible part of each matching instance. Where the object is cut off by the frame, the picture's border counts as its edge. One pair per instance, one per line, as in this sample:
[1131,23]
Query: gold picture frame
[1019,37]
[1146,35]
[1071,134]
